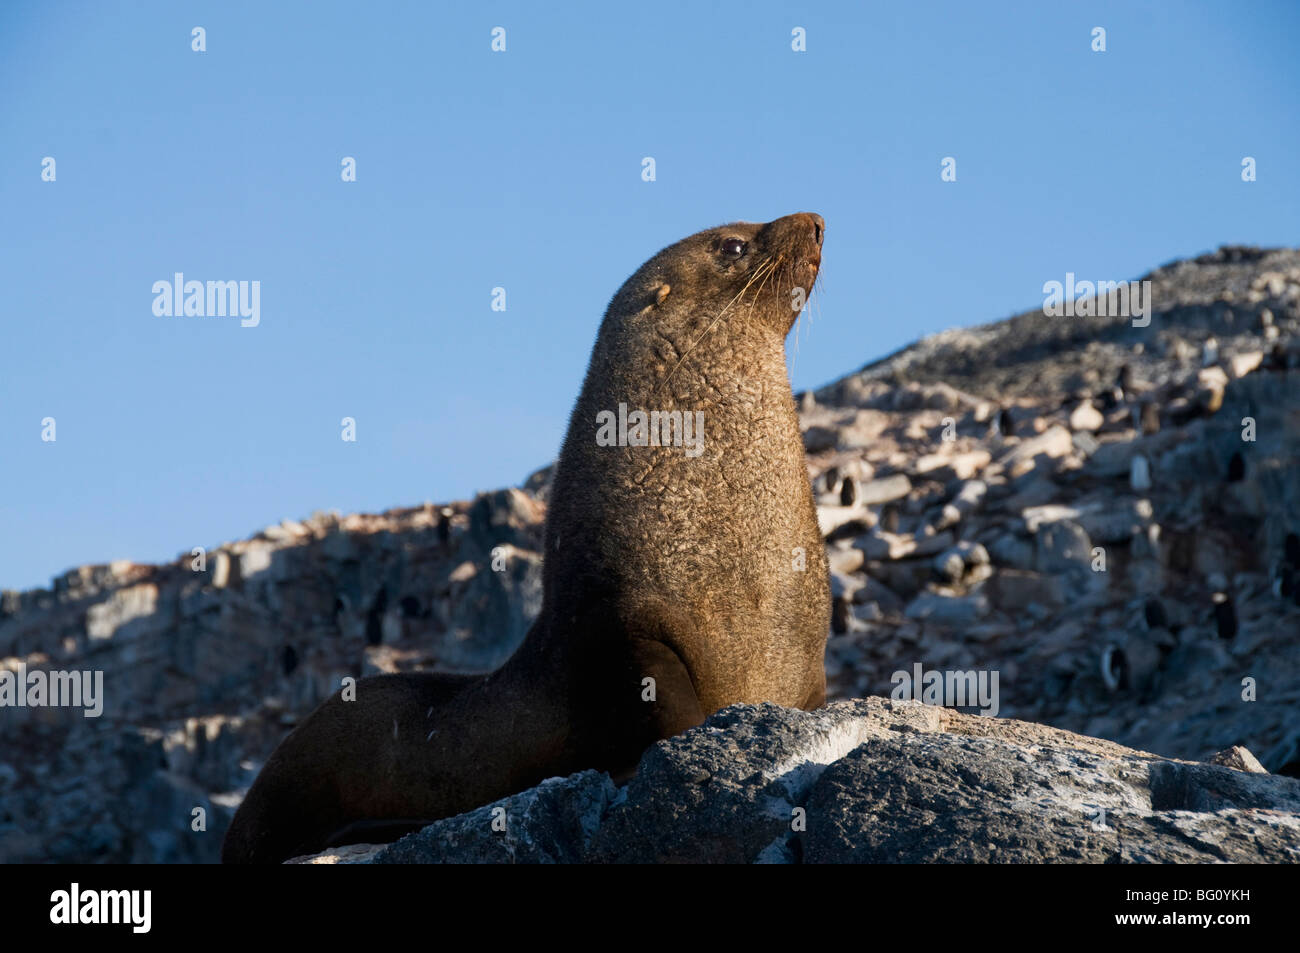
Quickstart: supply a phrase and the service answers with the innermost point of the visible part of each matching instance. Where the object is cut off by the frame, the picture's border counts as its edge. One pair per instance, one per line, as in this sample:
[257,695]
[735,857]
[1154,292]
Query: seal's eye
[733,247]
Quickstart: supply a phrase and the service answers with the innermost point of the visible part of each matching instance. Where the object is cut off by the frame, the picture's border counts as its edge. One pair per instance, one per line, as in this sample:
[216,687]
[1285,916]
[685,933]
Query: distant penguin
[1124,380]
[1225,616]
[1155,615]
[1006,424]
[1150,418]
[1236,467]
[1132,664]
[1114,668]
[839,615]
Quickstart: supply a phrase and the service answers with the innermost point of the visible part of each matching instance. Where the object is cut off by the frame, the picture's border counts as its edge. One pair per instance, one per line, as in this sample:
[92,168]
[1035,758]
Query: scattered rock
[884,490]
[955,561]
[1240,759]
[1086,417]
[1016,590]
[1053,444]
[954,611]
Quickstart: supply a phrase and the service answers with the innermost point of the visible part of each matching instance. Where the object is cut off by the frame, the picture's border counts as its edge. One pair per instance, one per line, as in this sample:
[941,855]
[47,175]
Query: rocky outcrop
[876,781]
[208,662]
[1106,516]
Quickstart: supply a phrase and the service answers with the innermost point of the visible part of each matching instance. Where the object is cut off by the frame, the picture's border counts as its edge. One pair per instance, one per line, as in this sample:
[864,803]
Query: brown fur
[657,565]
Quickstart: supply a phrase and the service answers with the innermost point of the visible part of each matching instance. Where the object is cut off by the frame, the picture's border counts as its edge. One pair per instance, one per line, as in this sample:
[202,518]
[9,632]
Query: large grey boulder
[877,781]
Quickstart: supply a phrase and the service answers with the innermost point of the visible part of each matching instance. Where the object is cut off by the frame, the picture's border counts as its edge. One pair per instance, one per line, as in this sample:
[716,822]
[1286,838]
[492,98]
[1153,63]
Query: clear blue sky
[522,170]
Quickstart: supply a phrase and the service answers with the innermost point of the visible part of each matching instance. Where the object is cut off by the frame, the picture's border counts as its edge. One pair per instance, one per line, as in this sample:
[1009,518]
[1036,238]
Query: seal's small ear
[658,296]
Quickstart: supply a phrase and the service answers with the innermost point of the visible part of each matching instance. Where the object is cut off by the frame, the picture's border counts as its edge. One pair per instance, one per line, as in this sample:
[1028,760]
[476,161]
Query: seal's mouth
[812,263]
[802,235]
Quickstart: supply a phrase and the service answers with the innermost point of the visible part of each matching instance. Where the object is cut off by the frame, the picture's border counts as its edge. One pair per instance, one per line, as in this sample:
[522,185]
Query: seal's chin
[805,276]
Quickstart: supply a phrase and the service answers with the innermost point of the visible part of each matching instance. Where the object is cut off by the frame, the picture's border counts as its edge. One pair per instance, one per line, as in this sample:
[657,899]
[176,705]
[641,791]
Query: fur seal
[680,575]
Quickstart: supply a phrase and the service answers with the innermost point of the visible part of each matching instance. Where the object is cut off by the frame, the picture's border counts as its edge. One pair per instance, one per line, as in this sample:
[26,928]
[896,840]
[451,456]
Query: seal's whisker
[758,295]
[764,270]
[818,290]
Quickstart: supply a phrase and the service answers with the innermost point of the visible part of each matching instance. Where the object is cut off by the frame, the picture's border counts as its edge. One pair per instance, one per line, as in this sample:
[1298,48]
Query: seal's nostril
[819,228]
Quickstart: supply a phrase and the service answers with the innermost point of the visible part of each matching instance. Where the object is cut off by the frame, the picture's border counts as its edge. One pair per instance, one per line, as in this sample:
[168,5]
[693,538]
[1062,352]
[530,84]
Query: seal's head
[760,274]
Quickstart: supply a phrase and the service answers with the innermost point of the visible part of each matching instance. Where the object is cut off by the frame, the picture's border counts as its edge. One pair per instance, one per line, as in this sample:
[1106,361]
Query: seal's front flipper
[673,703]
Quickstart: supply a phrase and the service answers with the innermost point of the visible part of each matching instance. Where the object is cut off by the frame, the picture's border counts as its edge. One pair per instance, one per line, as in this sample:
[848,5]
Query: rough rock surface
[876,781]
[966,499]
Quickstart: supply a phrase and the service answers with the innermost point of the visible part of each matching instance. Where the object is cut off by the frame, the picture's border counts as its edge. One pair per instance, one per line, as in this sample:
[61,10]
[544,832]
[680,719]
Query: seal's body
[683,572]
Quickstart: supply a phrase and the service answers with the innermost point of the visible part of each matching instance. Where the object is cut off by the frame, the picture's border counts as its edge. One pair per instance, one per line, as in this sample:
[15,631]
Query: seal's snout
[809,222]
[801,235]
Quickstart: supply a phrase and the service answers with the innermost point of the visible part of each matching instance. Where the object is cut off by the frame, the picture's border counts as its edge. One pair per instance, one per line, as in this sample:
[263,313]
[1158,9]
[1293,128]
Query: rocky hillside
[1104,515]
